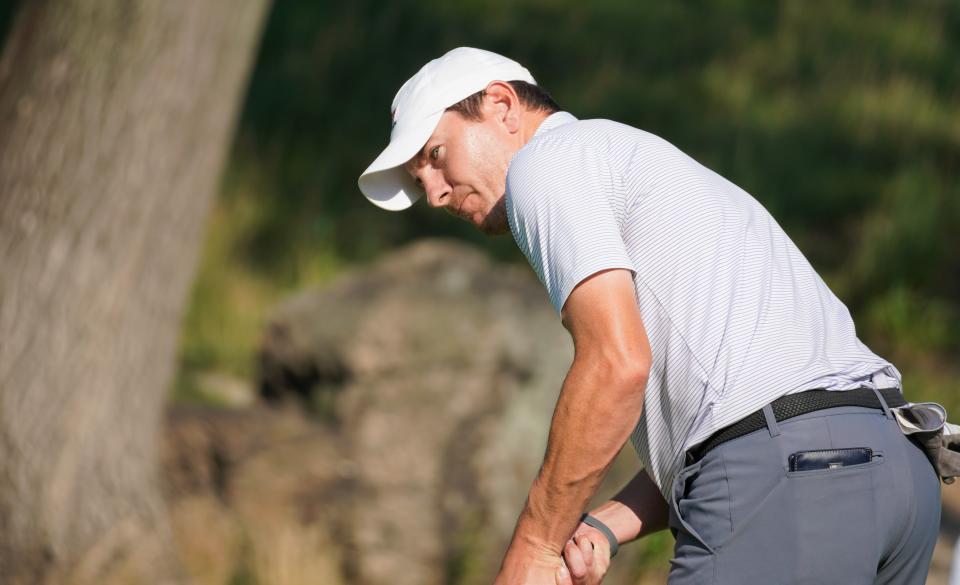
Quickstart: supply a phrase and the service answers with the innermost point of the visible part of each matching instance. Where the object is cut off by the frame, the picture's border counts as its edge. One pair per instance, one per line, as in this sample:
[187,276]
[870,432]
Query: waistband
[792,405]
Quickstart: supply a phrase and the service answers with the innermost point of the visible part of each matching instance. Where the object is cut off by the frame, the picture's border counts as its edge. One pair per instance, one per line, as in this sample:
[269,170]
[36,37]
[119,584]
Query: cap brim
[385,182]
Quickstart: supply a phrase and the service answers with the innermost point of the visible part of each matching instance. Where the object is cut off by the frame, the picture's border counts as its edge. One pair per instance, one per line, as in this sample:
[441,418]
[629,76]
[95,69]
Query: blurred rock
[243,488]
[431,377]
[445,369]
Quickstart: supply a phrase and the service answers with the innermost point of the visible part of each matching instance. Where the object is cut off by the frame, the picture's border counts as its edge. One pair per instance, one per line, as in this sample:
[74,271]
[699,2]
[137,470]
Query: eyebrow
[423,151]
[418,158]
[413,164]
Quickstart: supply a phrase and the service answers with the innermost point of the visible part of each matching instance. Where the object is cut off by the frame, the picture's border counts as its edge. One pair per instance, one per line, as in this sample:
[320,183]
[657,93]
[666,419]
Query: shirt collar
[554,120]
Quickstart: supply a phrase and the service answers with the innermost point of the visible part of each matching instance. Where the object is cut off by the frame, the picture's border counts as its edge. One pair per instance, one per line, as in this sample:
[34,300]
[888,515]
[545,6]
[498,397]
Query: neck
[531,121]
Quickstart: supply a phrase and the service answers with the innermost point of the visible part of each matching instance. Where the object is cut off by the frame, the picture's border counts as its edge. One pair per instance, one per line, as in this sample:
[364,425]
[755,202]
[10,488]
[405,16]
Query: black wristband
[592,521]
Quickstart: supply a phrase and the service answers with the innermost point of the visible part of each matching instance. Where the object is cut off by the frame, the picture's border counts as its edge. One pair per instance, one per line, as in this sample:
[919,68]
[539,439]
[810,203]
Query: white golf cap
[416,110]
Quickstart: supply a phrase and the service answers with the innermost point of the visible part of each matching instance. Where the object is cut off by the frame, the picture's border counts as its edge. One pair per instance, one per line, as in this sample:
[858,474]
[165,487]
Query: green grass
[234,292]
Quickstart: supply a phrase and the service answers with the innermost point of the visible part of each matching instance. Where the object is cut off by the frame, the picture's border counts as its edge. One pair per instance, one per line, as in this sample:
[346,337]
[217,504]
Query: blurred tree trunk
[115,117]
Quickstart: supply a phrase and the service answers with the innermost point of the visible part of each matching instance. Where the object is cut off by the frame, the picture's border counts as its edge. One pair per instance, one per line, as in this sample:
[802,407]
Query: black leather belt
[793,405]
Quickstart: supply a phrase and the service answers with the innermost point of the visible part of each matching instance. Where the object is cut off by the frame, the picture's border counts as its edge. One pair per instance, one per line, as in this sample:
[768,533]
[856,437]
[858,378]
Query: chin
[494,225]
[494,222]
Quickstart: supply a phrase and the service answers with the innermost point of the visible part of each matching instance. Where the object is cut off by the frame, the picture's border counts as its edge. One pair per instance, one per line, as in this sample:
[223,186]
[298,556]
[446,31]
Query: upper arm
[604,320]
[560,198]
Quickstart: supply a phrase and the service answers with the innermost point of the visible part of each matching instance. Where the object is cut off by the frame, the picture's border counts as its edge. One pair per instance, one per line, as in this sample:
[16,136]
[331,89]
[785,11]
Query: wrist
[594,522]
[620,519]
[538,529]
[530,542]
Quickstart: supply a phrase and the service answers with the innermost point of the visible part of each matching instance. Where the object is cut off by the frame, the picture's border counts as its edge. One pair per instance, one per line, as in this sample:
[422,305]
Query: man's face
[462,168]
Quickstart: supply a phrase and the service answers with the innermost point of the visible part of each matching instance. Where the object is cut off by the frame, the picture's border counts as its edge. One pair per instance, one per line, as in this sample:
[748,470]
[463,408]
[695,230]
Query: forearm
[596,411]
[636,511]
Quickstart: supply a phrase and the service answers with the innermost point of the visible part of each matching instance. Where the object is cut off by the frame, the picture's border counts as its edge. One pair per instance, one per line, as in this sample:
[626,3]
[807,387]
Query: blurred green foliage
[840,117]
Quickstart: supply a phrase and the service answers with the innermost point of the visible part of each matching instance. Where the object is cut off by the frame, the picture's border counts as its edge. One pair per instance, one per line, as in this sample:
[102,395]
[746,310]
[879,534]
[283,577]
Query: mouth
[460,208]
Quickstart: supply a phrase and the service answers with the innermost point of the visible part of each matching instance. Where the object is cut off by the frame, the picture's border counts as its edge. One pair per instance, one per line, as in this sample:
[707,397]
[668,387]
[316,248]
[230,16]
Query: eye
[435,153]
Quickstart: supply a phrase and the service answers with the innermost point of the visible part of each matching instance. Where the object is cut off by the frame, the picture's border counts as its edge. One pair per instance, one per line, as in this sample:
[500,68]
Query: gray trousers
[741,518]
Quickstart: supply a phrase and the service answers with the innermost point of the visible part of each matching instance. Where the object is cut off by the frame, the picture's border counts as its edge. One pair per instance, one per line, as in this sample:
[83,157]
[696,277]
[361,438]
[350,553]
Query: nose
[436,187]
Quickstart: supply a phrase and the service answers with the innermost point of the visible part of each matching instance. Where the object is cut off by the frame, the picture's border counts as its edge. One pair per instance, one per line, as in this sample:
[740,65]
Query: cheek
[483,156]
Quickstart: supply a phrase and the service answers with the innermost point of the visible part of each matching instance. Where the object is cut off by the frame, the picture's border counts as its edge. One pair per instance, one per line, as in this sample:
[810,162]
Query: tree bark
[115,117]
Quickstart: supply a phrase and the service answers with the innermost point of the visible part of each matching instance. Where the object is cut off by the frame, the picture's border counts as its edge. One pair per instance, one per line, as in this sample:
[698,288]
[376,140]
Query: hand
[586,558]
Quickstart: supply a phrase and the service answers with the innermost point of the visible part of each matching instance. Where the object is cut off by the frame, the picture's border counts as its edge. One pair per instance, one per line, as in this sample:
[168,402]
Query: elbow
[633,367]
[627,395]
[623,374]
[633,377]
[640,376]
[630,376]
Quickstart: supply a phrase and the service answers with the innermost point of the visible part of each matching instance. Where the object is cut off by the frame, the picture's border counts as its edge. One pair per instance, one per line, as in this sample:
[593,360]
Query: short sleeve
[559,206]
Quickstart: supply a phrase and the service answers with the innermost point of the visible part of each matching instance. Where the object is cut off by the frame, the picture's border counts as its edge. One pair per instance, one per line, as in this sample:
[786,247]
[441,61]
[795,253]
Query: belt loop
[771,420]
[883,404]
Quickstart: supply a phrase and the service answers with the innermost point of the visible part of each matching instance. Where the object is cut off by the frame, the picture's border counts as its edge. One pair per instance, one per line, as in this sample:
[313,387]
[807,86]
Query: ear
[501,101]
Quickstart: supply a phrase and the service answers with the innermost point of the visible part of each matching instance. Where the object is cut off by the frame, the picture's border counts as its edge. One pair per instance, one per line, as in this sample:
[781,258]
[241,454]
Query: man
[701,334]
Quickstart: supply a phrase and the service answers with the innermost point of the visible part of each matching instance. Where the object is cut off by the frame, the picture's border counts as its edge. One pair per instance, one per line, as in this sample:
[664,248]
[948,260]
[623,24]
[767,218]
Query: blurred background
[344,395]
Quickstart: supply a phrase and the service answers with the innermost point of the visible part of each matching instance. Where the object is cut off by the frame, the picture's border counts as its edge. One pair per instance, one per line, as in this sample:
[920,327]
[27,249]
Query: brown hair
[531,96]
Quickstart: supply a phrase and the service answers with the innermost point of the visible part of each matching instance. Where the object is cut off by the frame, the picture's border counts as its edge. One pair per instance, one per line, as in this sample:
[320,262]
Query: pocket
[704,501]
[834,506]
[812,514]
[700,502]
[877,459]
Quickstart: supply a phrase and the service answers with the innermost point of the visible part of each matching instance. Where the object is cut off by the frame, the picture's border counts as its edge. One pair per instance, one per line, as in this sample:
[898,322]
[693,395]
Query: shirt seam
[677,330]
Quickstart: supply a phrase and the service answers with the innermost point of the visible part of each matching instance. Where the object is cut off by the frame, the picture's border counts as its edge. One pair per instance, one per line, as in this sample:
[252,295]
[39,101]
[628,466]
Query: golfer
[702,335]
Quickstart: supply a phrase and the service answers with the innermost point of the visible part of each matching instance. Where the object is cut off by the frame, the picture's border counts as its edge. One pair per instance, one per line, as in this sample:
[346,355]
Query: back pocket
[832,461]
[828,458]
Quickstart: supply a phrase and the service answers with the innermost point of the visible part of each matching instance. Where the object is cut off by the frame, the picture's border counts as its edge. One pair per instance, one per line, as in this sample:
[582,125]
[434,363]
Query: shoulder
[575,136]
[594,143]
[551,158]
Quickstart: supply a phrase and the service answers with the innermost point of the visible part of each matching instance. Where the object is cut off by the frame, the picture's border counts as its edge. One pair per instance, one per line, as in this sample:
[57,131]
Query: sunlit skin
[462,168]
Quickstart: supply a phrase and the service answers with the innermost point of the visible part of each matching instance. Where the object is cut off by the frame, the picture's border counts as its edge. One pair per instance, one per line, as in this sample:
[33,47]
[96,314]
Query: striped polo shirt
[735,314]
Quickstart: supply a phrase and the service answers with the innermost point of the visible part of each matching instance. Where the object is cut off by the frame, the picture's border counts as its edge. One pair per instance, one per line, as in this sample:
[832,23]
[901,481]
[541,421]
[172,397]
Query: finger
[586,548]
[601,547]
[574,559]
